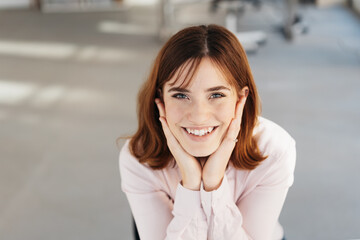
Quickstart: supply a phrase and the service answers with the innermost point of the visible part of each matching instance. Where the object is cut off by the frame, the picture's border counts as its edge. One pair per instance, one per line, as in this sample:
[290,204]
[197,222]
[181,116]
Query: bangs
[227,74]
[190,67]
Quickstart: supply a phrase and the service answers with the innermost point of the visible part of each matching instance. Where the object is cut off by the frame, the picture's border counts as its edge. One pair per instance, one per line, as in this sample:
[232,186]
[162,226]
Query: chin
[201,152]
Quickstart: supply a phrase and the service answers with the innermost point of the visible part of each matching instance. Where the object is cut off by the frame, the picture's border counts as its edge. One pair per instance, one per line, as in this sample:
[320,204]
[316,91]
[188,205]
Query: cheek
[226,112]
[173,112]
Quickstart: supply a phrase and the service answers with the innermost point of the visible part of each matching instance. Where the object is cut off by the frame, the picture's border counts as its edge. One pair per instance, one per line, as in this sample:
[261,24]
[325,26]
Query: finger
[160,107]
[189,166]
[175,148]
[230,139]
[233,131]
[240,107]
[172,142]
[168,134]
[228,143]
[222,155]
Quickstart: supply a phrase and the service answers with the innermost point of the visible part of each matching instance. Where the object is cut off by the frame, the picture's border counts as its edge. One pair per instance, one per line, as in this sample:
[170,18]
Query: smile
[200,132]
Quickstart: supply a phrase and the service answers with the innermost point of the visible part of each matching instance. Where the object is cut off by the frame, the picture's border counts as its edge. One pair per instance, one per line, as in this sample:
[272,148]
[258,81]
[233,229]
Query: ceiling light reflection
[59,51]
[47,96]
[37,50]
[15,92]
[125,28]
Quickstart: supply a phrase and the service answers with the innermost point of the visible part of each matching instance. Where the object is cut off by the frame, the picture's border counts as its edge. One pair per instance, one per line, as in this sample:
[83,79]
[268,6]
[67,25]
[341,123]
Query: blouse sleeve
[155,214]
[255,215]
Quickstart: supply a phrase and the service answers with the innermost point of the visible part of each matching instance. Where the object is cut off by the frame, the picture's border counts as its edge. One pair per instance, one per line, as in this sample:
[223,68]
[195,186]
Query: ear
[244,92]
[159,94]
[239,108]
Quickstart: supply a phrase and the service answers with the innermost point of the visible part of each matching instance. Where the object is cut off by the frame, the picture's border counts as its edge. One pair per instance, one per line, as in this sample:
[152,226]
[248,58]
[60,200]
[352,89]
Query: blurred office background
[69,75]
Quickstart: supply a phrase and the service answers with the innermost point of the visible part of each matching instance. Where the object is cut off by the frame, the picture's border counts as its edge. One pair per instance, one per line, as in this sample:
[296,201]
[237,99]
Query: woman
[203,164]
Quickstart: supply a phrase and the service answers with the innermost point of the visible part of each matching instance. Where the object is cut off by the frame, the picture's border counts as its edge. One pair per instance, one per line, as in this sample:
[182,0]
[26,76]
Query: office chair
[135,231]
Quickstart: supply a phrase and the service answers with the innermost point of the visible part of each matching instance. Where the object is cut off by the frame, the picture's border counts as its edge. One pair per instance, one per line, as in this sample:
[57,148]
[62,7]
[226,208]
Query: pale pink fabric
[247,204]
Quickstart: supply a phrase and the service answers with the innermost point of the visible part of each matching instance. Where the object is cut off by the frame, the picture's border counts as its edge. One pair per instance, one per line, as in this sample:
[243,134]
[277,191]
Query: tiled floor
[68,85]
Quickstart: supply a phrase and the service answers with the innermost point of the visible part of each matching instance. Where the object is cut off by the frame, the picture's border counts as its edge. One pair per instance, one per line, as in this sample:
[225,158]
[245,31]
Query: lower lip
[199,138]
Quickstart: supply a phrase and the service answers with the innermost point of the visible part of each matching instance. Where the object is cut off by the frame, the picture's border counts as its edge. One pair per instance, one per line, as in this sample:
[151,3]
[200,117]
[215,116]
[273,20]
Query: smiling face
[199,115]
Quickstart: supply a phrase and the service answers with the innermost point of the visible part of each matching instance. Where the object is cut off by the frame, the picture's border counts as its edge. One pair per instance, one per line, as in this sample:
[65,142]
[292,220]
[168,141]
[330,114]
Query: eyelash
[182,95]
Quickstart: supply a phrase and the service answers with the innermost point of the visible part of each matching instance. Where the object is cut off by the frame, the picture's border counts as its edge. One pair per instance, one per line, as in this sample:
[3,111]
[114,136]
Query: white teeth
[200,132]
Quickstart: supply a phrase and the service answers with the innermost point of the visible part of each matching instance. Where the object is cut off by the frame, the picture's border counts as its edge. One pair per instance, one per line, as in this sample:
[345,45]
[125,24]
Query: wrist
[191,183]
[212,184]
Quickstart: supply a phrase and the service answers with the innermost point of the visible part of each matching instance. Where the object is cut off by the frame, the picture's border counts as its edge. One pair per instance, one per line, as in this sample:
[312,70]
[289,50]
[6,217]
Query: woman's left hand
[214,169]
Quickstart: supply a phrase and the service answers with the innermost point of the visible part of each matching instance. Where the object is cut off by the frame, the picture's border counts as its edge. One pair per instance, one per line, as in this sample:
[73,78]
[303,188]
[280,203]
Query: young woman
[203,164]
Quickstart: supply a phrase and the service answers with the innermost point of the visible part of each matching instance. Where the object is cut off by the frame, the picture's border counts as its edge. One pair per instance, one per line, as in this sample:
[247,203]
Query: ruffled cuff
[215,199]
[187,202]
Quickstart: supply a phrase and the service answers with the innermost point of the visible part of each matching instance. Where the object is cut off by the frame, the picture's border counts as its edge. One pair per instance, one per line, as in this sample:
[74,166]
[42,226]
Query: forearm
[253,217]
[189,220]
[190,179]
[213,175]
[211,184]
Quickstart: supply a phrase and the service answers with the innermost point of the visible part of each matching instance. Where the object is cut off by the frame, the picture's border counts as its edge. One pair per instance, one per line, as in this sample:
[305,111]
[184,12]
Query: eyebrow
[179,89]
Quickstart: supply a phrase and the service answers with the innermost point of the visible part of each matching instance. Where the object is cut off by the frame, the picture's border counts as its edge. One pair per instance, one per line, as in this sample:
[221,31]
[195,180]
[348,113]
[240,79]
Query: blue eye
[183,96]
[179,96]
[217,95]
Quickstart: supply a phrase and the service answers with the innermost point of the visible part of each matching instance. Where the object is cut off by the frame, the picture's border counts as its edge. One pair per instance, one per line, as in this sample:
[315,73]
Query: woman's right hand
[190,168]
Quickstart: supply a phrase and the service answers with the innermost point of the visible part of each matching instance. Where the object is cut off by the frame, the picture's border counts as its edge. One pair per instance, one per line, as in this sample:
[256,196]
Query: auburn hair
[187,48]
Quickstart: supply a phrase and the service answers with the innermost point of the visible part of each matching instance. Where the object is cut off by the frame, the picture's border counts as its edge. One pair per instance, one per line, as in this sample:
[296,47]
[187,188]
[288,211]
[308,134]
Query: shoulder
[279,146]
[125,154]
[272,139]
[133,173]
[138,177]
[127,160]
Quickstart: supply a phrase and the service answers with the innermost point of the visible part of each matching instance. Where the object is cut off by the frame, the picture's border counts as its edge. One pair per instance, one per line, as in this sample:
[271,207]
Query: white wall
[14,4]
[356,5]
[327,3]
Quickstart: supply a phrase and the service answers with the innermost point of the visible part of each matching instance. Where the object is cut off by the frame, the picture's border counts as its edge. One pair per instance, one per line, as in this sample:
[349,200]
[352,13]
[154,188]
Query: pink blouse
[247,204]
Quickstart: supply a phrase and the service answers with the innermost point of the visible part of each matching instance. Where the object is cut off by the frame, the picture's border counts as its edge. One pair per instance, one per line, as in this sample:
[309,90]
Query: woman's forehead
[202,73]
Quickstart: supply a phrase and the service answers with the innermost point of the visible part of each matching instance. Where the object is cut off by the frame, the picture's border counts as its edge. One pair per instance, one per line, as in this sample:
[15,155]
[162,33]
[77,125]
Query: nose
[199,113]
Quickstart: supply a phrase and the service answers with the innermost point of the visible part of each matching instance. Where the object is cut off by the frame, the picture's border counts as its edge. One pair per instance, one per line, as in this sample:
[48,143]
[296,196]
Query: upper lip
[200,128]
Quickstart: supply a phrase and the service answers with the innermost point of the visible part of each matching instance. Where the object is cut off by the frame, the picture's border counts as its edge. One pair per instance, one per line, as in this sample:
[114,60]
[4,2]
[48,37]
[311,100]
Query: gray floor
[68,85]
